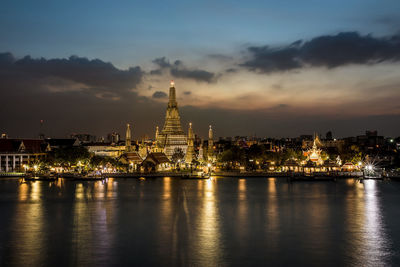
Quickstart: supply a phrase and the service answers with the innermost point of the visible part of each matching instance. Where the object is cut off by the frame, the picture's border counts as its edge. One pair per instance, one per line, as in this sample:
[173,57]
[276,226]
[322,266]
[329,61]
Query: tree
[178,155]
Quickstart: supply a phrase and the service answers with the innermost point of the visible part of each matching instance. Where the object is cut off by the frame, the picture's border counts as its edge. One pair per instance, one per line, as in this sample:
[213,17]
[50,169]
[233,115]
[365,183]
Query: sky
[259,68]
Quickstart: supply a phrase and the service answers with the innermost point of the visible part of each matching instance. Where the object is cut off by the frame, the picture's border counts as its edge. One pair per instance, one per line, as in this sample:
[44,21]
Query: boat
[83,177]
[372,175]
[196,176]
[41,177]
[86,178]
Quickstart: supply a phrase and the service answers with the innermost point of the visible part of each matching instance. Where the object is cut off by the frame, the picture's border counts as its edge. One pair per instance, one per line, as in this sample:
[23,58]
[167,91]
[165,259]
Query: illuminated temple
[172,137]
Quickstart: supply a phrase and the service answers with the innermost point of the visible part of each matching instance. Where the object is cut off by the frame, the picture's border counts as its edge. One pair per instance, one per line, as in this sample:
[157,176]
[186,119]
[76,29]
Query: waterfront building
[132,159]
[15,153]
[190,155]
[156,161]
[172,137]
[314,153]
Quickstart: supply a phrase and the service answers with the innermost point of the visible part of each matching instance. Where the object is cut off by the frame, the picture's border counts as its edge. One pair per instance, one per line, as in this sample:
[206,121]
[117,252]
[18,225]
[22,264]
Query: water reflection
[209,232]
[169,221]
[242,216]
[272,213]
[375,241]
[28,243]
[93,223]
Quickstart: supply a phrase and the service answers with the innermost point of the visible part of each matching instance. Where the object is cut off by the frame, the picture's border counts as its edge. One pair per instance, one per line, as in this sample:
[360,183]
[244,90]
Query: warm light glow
[172,83]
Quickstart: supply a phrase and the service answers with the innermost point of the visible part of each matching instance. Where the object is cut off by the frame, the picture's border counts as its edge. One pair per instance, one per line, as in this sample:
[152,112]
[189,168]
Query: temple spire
[128,138]
[190,155]
[171,136]
[210,150]
[172,95]
[157,132]
[190,133]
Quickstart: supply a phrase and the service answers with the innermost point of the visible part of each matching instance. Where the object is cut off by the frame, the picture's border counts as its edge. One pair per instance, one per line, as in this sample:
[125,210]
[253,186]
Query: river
[218,222]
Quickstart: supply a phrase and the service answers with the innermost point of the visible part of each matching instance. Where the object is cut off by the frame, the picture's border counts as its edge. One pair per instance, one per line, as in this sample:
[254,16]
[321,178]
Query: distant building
[113,137]
[84,137]
[56,143]
[105,149]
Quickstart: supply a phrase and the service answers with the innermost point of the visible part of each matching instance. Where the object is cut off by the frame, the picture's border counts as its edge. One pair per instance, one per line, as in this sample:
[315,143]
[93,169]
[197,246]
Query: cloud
[159,94]
[220,57]
[231,70]
[95,77]
[179,70]
[187,93]
[325,51]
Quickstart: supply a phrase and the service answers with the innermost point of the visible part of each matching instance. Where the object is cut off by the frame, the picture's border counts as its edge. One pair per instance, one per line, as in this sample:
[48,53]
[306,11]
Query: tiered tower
[190,148]
[128,138]
[210,150]
[172,135]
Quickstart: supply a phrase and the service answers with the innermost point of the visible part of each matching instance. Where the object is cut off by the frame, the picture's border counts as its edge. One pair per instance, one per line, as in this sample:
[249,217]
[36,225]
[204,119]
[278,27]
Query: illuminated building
[128,138]
[210,149]
[172,136]
[314,154]
[190,155]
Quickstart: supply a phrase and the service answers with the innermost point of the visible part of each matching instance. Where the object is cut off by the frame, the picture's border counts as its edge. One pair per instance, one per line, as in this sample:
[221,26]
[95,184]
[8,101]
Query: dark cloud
[325,51]
[162,62]
[187,93]
[231,70]
[220,57]
[197,75]
[159,94]
[96,77]
[179,70]
[282,106]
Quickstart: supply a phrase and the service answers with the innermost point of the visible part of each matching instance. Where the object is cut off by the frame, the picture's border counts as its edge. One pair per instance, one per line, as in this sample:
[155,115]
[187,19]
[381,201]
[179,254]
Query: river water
[219,222]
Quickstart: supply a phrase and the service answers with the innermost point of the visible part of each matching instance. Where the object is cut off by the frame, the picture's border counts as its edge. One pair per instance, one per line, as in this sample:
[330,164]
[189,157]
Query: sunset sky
[264,68]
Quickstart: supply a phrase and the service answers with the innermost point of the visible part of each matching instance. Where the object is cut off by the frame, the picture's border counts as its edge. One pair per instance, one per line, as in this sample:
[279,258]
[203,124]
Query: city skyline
[239,67]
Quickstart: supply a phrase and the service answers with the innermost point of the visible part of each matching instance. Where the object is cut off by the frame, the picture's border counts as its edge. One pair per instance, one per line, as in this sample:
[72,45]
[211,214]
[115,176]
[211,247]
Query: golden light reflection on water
[166,187]
[208,233]
[93,219]
[272,210]
[111,187]
[167,226]
[35,191]
[29,237]
[242,226]
[23,192]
